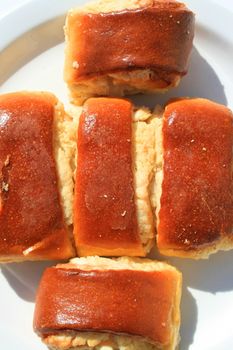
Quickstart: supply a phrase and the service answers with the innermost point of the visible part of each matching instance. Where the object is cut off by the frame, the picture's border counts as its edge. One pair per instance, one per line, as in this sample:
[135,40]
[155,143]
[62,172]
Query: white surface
[35,61]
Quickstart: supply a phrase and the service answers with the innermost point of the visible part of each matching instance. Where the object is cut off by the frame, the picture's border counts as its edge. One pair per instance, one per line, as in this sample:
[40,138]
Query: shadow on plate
[188,319]
[201,81]
[30,45]
[24,277]
[213,275]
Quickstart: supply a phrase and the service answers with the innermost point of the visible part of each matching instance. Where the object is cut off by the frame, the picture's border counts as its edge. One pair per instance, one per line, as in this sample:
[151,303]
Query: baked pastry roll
[194,174]
[33,225]
[126,47]
[115,168]
[98,303]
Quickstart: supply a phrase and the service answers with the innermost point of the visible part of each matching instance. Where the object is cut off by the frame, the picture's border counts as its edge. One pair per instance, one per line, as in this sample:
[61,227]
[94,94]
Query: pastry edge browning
[223,244]
[72,340]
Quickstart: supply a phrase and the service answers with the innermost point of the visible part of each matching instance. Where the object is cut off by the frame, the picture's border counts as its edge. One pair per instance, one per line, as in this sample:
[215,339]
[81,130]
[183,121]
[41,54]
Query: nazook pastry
[194,178]
[133,169]
[136,169]
[114,48]
[36,185]
[98,303]
[115,171]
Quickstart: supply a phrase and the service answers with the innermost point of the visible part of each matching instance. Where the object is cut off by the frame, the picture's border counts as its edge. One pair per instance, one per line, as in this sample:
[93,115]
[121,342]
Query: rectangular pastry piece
[195,209]
[32,188]
[98,303]
[126,47]
[115,168]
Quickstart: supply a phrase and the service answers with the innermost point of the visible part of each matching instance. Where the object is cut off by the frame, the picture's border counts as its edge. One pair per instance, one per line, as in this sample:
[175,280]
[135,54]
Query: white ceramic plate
[31,57]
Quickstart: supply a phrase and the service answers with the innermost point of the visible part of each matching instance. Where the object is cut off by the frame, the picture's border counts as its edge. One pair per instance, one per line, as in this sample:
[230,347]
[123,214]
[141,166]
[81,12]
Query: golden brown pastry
[194,168]
[115,167]
[93,303]
[129,164]
[33,225]
[126,47]
[185,181]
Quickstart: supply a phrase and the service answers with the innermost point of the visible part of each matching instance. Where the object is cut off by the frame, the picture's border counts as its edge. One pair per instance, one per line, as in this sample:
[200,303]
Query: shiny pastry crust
[143,166]
[116,76]
[75,340]
[104,207]
[208,128]
[55,243]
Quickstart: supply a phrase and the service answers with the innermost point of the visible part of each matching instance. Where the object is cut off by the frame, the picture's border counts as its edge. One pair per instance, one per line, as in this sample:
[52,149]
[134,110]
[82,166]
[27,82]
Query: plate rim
[9,20]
